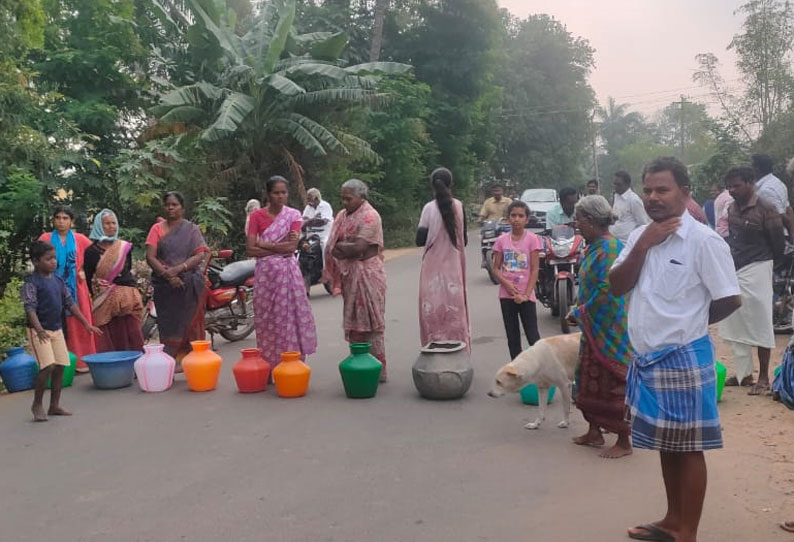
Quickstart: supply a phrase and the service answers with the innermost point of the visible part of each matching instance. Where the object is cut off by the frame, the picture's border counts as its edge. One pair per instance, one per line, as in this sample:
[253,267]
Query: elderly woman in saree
[116,300]
[605,351]
[282,315]
[443,311]
[354,268]
[70,250]
[178,255]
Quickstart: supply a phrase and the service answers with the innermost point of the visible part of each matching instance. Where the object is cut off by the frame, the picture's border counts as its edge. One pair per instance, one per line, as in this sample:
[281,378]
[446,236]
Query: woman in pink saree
[282,315]
[354,268]
[443,311]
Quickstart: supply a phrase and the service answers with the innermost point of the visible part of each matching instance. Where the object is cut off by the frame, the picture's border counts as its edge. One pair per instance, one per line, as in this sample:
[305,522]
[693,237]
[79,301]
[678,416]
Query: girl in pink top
[516,263]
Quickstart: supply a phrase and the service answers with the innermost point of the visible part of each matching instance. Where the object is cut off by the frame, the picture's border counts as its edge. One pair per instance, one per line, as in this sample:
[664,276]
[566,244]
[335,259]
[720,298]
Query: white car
[539,200]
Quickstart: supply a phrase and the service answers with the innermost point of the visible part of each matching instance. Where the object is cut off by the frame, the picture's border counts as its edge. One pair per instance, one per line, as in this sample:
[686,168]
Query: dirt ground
[759,443]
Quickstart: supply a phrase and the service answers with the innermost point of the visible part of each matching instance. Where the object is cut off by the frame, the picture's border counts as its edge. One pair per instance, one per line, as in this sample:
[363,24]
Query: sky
[645,49]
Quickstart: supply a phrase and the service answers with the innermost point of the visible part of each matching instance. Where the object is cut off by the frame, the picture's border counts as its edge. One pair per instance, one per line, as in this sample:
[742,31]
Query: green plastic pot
[529,394]
[68,372]
[360,372]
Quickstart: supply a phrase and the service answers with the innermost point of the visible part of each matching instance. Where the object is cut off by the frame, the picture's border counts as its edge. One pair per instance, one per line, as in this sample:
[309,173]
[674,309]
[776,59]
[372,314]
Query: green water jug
[529,395]
[722,372]
[68,372]
[360,372]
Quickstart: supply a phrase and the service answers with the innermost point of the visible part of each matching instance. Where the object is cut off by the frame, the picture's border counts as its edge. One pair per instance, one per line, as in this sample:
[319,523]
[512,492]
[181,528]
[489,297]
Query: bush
[12,318]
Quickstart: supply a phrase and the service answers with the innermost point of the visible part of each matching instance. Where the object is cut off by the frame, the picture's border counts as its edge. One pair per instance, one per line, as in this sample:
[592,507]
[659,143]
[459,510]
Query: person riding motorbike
[563,212]
[318,216]
[495,207]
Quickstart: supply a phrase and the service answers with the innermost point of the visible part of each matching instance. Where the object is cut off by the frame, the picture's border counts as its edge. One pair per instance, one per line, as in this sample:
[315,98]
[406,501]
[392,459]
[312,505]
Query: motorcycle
[559,263]
[229,305]
[783,288]
[489,232]
[310,259]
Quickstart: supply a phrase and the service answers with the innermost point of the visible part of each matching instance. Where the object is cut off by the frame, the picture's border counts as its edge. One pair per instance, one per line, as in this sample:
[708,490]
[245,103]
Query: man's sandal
[654,534]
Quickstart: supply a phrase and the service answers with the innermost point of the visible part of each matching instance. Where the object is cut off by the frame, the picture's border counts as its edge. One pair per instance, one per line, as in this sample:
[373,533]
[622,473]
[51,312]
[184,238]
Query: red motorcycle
[229,305]
[559,266]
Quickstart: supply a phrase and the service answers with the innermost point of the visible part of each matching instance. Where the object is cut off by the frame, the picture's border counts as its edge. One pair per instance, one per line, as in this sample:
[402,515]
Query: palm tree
[262,93]
[619,126]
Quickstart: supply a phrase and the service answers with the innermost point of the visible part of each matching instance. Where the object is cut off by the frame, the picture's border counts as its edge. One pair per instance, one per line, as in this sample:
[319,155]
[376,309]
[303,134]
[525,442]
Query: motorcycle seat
[235,274]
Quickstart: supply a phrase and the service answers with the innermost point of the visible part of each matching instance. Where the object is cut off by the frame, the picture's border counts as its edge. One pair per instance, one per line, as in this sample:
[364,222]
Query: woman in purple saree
[178,255]
[282,314]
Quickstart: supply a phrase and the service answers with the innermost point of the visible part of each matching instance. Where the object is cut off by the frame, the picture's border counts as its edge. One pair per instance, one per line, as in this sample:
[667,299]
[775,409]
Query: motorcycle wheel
[555,300]
[149,328]
[245,328]
[563,304]
[489,266]
[327,286]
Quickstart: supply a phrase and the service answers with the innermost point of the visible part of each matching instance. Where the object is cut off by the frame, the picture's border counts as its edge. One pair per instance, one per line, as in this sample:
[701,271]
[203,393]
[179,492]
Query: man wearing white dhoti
[756,239]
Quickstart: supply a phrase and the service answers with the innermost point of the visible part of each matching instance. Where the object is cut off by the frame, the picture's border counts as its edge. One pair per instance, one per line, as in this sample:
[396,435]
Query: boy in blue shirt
[45,297]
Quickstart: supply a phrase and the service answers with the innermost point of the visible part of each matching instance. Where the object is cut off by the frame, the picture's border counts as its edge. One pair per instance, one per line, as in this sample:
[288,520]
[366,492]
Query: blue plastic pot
[111,370]
[19,370]
[529,394]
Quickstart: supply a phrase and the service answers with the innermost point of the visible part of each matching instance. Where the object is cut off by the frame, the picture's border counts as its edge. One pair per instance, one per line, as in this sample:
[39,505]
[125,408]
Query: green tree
[544,129]
[35,139]
[764,58]
[273,83]
[453,48]
[93,59]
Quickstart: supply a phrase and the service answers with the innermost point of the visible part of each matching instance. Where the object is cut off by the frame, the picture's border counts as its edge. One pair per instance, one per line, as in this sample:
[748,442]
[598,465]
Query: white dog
[549,362]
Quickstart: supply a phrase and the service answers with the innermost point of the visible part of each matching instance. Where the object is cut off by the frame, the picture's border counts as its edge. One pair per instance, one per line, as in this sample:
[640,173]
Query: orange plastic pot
[202,367]
[251,371]
[291,376]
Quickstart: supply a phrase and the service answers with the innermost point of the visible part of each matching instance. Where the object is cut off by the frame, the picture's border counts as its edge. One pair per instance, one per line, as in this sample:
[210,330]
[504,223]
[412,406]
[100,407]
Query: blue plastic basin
[111,370]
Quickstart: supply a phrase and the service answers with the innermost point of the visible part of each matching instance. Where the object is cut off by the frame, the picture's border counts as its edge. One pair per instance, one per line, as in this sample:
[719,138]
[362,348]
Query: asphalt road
[176,466]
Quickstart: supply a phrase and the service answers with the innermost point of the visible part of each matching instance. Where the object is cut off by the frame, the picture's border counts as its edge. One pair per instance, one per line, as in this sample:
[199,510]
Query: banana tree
[273,89]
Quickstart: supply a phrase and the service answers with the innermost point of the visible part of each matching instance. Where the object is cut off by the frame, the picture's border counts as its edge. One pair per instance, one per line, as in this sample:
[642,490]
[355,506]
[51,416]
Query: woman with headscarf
[69,251]
[443,311]
[354,268]
[177,253]
[118,308]
[605,351]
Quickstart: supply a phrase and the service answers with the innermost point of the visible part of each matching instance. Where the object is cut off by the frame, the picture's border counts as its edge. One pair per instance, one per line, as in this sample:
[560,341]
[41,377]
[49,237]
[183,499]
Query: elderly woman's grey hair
[313,192]
[358,187]
[252,205]
[597,208]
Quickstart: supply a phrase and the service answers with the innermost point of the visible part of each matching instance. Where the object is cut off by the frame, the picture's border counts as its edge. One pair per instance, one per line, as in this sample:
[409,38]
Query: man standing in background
[771,189]
[721,205]
[591,188]
[756,240]
[627,206]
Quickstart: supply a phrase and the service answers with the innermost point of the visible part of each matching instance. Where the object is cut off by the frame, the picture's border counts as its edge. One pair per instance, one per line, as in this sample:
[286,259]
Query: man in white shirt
[681,278]
[627,206]
[771,189]
[318,215]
